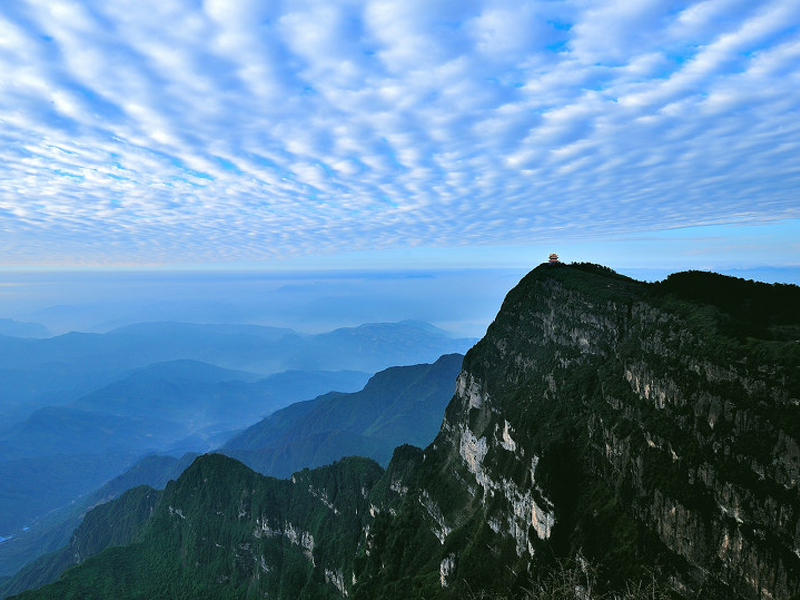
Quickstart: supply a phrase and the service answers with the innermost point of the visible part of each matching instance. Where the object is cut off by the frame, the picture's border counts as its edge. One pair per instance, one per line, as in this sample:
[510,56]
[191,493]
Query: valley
[649,430]
[143,390]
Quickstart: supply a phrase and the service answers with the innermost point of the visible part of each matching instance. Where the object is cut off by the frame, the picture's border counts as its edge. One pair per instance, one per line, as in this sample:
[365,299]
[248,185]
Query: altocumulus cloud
[185,131]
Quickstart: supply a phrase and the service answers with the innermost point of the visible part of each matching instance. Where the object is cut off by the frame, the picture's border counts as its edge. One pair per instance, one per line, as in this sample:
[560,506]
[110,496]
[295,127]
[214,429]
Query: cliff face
[651,429]
[627,422]
[223,531]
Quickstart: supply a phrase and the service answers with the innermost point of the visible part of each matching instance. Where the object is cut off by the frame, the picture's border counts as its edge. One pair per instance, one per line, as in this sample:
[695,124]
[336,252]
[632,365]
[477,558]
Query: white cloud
[196,132]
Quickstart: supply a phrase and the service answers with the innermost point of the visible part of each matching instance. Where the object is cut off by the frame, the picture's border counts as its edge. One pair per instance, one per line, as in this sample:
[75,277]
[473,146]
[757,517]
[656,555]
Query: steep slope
[399,405]
[110,524]
[650,429]
[53,531]
[178,406]
[224,531]
[623,420]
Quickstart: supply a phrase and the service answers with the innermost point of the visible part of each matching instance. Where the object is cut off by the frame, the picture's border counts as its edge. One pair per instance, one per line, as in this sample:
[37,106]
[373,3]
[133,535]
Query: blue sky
[396,133]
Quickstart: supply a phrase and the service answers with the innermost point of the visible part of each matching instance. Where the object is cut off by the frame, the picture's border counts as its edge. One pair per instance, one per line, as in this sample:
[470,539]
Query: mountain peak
[601,420]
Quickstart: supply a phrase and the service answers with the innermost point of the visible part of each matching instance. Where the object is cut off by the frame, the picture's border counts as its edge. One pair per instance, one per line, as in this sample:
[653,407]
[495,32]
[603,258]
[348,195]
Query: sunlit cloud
[180,132]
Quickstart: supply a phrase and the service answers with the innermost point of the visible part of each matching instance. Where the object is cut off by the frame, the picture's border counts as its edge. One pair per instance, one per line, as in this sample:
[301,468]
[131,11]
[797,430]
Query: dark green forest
[607,438]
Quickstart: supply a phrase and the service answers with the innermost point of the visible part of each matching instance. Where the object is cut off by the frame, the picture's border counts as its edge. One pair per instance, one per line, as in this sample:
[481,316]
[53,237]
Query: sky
[247,134]
[461,301]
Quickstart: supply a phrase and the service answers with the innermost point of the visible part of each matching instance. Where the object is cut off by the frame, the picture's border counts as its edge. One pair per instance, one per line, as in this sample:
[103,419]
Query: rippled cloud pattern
[183,131]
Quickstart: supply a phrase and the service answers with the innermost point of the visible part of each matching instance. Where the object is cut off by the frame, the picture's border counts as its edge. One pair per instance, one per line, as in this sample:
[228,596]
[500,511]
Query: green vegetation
[614,440]
[223,531]
[110,524]
[398,405]
[108,399]
[53,532]
[747,308]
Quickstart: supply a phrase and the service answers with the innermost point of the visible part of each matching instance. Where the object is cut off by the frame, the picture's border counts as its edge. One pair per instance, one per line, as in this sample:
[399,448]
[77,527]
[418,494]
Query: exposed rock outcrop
[652,430]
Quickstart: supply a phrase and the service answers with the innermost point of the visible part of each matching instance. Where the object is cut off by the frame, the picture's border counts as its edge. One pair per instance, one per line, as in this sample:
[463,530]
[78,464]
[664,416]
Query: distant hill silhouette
[397,406]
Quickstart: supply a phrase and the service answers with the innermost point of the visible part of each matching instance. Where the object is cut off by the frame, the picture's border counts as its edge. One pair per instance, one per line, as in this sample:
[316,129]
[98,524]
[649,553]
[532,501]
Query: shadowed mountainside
[61,453]
[599,417]
[79,408]
[53,531]
[399,405]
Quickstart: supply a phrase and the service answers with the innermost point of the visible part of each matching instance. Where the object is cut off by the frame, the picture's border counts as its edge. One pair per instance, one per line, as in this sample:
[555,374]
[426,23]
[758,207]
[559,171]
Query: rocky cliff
[651,430]
[648,427]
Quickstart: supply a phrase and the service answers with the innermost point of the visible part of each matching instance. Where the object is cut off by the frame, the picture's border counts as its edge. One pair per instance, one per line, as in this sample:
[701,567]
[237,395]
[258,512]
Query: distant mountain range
[61,452]
[22,329]
[258,349]
[47,372]
[645,437]
[401,405]
[78,409]
[398,405]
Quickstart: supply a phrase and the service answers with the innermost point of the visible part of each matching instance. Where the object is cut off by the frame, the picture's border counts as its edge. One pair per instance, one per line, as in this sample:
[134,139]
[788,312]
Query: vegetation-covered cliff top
[652,428]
